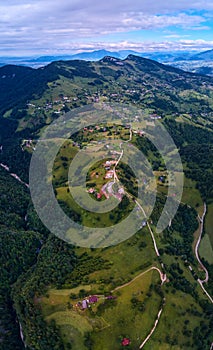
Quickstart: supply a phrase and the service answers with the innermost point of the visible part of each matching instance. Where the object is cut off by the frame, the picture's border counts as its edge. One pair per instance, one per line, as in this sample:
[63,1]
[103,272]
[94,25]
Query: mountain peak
[108,58]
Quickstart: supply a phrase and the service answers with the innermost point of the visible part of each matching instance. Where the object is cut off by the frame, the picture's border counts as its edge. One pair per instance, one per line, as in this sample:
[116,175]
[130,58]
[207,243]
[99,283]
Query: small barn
[84,304]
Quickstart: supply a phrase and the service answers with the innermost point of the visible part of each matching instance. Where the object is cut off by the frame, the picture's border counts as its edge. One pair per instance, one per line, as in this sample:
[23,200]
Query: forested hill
[21,84]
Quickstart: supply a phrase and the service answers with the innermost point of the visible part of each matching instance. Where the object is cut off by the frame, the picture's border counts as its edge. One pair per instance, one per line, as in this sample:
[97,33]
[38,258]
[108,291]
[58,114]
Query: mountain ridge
[94,56]
[19,84]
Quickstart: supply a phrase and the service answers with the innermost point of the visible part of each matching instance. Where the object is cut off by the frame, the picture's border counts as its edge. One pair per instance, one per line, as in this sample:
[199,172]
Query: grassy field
[205,249]
[176,323]
[191,195]
[108,321]
[126,321]
[90,219]
[209,222]
[206,245]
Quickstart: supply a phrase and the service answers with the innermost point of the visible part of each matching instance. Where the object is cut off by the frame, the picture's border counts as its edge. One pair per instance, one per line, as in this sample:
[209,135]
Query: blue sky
[37,27]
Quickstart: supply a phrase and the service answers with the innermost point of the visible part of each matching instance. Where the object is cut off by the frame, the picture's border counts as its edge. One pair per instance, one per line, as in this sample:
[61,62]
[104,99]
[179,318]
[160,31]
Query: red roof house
[125,342]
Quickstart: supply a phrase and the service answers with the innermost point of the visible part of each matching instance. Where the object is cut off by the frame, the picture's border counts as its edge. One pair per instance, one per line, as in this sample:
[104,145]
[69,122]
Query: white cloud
[37,24]
[76,46]
[180,45]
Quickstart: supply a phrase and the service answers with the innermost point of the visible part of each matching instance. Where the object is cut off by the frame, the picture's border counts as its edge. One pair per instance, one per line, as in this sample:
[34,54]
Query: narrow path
[162,277]
[205,280]
[121,155]
[153,329]
[114,169]
[116,178]
[205,291]
[150,230]
[201,219]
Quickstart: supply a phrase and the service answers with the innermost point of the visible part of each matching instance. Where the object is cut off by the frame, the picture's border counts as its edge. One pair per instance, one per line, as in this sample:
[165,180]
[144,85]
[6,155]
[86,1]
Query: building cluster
[92,299]
[86,303]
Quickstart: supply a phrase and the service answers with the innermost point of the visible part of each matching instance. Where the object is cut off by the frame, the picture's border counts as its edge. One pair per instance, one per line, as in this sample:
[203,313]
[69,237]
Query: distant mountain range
[91,56]
[200,62]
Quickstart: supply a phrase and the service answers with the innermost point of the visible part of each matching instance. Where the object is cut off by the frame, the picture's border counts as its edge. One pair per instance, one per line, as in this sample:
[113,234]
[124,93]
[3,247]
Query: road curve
[205,280]
[162,277]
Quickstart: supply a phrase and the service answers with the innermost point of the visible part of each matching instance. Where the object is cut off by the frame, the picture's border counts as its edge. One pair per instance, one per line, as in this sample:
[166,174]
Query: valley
[152,290]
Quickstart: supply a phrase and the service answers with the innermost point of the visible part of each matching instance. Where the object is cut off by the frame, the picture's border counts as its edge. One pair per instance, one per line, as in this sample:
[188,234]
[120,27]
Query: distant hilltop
[164,56]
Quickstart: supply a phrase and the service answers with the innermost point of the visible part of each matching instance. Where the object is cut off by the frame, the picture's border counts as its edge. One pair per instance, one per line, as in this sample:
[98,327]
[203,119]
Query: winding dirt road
[150,230]
[153,329]
[201,219]
[205,280]
[162,277]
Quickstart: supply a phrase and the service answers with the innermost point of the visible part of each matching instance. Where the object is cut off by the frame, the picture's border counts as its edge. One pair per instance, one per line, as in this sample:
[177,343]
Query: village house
[109,174]
[155,116]
[84,304]
[125,342]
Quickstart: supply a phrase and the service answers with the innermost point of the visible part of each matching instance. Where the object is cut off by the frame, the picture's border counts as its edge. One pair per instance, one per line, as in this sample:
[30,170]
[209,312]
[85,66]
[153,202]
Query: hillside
[205,56]
[199,63]
[21,84]
[47,284]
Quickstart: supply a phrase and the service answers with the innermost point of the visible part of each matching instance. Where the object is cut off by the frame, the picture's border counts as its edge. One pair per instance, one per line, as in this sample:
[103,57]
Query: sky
[44,27]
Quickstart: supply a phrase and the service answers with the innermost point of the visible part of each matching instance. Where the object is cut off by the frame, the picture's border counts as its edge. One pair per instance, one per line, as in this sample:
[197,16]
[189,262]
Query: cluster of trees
[151,153]
[12,154]
[199,160]
[86,264]
[137,304]
[127,178]
[30,261]
[179,282]
[18,252]
[196,152]
[55,262]
[179,237]
[202,335]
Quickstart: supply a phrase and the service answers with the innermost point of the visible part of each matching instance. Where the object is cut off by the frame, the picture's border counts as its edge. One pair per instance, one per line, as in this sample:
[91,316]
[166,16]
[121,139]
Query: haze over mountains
[200,62]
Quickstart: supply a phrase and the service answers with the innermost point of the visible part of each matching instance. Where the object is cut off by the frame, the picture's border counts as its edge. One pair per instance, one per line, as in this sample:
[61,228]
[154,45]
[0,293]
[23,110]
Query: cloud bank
[70,25]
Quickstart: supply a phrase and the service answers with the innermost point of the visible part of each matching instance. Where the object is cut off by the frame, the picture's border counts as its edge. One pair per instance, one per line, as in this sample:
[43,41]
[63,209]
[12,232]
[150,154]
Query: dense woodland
[195,146]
